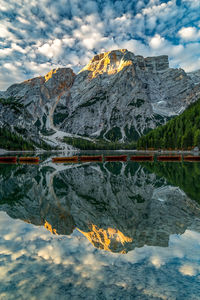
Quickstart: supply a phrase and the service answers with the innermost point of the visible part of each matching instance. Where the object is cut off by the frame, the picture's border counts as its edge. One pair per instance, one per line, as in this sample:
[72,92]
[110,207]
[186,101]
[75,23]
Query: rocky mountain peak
[114,61]
[154,63]
[110,62]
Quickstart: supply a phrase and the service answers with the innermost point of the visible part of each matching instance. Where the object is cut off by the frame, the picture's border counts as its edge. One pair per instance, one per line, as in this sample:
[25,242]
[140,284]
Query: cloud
[189,33]
[69,33]
[156,42]
[51,49]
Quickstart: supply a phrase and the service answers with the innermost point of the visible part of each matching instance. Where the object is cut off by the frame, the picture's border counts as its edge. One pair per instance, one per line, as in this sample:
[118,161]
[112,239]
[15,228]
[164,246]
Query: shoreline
[3,151]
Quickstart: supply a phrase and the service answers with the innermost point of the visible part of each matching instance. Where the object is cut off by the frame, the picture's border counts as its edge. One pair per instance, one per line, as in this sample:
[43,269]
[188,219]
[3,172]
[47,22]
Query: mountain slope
[27,108]
[118,96]
[182,132]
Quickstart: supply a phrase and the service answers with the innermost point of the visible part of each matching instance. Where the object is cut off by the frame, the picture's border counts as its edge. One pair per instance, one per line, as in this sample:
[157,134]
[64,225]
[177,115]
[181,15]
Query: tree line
[12,141]
[181,132]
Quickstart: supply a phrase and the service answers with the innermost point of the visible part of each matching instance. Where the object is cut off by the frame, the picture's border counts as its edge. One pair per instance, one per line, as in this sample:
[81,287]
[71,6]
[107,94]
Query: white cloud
[192,3]
[16,47]
[22,20]
[156,42]
[189,33]
[51,49]
[5,52]
[68,41]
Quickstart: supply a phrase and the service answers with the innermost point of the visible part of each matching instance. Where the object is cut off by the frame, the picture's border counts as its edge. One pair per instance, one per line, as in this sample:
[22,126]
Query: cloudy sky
[36,36]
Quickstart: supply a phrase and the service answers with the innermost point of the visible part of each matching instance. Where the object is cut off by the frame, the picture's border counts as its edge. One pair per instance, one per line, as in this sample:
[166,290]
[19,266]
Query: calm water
[100,231]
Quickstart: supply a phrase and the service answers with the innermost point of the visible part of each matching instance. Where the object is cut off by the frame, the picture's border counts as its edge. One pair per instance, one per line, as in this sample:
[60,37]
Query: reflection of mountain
[116,206]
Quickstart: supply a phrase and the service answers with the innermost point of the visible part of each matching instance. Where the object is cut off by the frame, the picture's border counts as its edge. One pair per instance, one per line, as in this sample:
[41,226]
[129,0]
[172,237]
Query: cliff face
[37,99]
[117,96]
[121,96]
[116,206]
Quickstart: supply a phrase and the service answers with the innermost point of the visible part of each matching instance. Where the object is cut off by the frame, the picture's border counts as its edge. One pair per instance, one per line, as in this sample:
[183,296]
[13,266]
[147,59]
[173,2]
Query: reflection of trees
[184,175]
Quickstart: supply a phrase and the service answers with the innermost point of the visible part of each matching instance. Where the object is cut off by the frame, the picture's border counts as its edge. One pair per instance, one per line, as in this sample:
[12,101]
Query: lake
[100,230]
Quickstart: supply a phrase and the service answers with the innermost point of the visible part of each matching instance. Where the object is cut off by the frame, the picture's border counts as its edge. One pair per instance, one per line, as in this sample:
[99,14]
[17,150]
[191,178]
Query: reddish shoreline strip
[116,158]
[29,160]
[70,159]
[169,158]
[191,158]
[8,159]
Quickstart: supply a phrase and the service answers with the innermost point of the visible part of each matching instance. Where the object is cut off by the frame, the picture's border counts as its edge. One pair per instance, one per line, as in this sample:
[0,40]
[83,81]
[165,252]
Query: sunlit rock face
[116,206]
[121,96]
[116,96]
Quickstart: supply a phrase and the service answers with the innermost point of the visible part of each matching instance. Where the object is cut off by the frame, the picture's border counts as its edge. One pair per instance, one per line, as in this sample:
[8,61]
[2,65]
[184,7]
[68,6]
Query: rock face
[195,76]
[121,96]
[117,96]
[37,99]
[117,206]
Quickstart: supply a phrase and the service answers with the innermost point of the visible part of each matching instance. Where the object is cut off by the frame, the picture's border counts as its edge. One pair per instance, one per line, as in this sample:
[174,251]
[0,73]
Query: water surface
[107,230]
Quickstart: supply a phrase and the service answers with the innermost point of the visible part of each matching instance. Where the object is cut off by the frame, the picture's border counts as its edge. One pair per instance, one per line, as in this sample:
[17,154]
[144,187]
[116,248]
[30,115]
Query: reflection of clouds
[156,261]
[34,262]
[188,270]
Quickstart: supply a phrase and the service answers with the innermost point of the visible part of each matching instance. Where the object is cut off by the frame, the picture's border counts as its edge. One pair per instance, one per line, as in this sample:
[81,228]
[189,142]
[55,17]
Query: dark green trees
[182,132]
[12,141]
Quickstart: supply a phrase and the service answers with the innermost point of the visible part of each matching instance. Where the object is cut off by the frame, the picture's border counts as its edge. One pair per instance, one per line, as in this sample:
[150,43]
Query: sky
[36,36]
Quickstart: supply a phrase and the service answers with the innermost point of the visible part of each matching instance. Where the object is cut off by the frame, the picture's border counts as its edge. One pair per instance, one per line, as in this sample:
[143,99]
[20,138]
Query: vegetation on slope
[12,141]
[12,103]
[181,132]
[84,144]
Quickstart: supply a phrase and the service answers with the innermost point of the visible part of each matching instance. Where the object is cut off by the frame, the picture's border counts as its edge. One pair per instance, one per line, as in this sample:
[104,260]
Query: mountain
[182,132]
[121,96]
[116,206]
[117,96]
[28,107]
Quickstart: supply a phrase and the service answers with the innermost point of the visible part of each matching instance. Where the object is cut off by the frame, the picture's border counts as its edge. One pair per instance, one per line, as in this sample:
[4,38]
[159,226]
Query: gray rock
[121,96]
[38,98]
[195,76]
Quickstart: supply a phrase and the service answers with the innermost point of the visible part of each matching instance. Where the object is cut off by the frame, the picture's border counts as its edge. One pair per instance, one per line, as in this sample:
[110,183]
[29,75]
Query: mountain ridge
[117,96]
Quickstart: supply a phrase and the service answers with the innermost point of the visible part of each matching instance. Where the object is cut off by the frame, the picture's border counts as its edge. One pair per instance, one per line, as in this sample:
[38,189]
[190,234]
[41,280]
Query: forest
[13,141]
[181,132]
